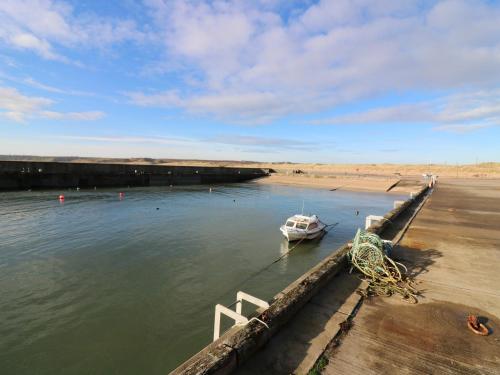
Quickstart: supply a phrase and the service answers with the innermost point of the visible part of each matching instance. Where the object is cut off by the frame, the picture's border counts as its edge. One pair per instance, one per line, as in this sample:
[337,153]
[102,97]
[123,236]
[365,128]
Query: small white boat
[301,227]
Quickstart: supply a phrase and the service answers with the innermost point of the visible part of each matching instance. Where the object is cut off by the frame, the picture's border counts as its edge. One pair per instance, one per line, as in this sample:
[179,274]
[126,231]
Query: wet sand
[351,183]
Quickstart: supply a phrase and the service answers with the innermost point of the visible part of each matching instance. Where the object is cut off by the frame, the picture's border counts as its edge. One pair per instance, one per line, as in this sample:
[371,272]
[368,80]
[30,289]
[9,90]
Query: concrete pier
[18,175]
[452,248]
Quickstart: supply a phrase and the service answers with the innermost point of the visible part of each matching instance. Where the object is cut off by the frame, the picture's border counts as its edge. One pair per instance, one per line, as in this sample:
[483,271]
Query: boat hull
[297,235]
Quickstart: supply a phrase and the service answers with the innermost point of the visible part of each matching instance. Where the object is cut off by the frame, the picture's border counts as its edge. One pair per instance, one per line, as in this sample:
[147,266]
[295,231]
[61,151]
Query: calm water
[103,286]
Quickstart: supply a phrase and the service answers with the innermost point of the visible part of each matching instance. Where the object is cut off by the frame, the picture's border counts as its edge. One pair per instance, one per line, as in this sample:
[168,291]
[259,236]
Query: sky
[329,81]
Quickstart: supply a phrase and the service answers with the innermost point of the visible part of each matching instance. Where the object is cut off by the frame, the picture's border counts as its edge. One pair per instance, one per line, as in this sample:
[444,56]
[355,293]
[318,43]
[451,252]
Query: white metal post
[219,309]
[398,203]
[242,296]
[370,219]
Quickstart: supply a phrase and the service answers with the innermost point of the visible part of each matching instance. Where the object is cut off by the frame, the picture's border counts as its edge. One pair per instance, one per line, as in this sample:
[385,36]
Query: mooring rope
[298,243]
[259,271]
[383,274]
[331,225]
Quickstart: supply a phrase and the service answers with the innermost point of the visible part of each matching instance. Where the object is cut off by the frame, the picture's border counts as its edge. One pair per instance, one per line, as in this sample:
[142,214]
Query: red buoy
[61,197]
[121,195]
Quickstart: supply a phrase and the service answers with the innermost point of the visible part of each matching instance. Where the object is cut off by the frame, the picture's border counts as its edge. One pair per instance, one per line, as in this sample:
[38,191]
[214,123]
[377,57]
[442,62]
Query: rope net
[369,255]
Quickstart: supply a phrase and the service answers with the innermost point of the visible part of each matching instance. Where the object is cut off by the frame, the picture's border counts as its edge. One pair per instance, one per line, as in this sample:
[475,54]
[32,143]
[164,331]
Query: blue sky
[304,81]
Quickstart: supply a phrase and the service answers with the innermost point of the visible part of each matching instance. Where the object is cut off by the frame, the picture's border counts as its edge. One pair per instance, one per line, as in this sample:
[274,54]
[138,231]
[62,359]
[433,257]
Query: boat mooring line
[258,272]
[332,226]
[297,244]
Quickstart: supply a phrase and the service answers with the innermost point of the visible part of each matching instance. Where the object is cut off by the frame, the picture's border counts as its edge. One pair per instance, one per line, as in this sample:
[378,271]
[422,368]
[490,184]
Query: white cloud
[42,26]
[77,116]
[33,83]
[331,53]
[18,107]
[242,108]
[421,112]
[161,99]
[471,106]
[29,41]
[461,128]
[262,142]
[251,103]
[133,139]
[244,143]
[244,61]
[464,112]
[29,81]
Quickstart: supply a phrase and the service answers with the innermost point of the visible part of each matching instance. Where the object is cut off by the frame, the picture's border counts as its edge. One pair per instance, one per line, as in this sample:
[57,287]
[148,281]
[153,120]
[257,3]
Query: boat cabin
[302,222]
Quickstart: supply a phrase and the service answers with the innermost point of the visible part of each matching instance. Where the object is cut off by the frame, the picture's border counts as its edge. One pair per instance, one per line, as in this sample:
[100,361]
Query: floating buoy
[121,194]
[210,190]
[61,197]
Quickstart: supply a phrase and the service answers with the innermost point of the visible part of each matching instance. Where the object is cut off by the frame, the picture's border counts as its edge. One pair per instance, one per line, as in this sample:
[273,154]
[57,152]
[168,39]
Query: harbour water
[105,285]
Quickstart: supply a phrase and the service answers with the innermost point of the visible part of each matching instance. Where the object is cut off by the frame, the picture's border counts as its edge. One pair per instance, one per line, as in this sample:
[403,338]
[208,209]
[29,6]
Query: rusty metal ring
[481,330]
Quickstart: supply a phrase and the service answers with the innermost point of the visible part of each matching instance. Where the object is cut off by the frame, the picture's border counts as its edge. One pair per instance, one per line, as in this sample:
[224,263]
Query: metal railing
[236,315]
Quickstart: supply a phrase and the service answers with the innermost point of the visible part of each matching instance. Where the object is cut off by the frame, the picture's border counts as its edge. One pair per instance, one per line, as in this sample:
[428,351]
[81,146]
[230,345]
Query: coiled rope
[369,256]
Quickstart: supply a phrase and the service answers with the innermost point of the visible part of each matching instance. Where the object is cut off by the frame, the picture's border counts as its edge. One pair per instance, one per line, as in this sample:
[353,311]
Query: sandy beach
[331,182]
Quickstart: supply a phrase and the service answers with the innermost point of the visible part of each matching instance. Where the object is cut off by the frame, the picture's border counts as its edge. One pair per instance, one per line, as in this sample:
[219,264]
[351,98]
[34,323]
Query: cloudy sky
[313,81]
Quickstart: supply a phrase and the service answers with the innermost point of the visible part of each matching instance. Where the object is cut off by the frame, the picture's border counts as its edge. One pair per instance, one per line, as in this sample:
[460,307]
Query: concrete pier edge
[239,343]
[23,175]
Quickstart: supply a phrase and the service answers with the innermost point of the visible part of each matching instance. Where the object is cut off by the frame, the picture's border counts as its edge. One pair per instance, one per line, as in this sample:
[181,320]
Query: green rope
[368,255]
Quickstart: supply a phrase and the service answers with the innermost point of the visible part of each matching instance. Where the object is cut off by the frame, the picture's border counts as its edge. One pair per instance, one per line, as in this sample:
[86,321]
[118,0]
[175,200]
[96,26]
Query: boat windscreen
[301,225]
[313,226]
[290,224]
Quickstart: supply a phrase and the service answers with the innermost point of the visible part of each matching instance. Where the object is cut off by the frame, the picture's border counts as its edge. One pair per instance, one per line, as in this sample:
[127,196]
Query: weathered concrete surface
[453,249]
[296,348]
[15,175]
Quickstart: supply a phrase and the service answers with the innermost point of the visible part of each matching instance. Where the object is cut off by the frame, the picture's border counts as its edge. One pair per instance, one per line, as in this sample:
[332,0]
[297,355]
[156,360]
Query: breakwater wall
[241,342]
[20,175]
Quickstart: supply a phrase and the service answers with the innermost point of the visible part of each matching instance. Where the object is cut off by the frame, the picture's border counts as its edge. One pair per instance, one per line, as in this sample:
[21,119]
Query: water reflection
[284,248]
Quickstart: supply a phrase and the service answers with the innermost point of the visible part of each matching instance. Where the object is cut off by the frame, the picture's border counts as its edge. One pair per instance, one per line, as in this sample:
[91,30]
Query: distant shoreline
[482,170]
[354,183]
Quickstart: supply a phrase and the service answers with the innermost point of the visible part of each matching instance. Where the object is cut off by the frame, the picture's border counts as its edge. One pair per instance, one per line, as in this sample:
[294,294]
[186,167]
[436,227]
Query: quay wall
[21,175]
[239,344]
